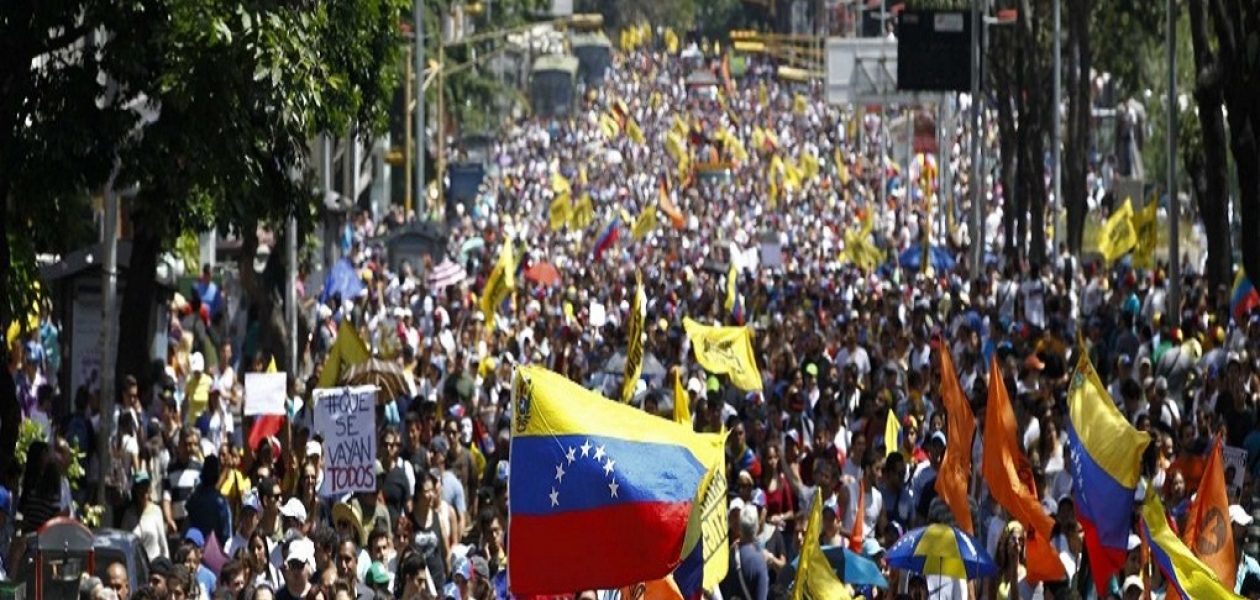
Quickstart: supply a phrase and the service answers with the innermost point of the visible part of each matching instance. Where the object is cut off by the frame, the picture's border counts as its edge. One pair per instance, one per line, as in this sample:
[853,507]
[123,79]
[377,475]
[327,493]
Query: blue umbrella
[911,258]
[941,550]
[342,279]
[851,567]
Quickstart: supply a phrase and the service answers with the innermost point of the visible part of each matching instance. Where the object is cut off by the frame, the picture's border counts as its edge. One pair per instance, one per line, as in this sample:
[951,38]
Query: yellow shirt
[197,396]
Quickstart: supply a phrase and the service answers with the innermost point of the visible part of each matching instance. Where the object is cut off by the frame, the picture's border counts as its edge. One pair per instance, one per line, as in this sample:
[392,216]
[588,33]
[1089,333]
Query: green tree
[207,105]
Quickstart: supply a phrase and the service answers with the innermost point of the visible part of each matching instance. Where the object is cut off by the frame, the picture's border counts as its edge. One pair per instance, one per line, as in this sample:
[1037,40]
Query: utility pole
[1172,306]
[977,208]
[1056,151]
[290,291]
[109,325]
[408,136]
[417,13]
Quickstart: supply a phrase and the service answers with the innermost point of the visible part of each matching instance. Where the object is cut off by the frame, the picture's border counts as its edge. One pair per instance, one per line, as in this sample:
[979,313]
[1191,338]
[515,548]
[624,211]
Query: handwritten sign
[346,416]
[265,393]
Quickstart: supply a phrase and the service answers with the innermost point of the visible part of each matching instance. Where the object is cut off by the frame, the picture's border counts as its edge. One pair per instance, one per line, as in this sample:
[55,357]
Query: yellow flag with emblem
[499,285]
[346,351]
[608,125]
[675,146]
[560,211]
[583,213]
[634,342]
[809,165]
[799,105]
[1118,235]
[671,40]
[560,184]
[842,170]
[725,351]
[645,223]
[1146,226]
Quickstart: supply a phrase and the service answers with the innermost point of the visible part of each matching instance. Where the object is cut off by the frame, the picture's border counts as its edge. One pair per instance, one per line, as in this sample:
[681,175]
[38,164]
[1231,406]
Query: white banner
[346,417]
[1234,460]
[265,393]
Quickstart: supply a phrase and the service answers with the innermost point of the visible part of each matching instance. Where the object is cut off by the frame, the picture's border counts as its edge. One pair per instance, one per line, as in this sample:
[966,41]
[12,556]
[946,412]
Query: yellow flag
[347,351]
[560,184]
[1146,227]
[675,146]
[791,175]
[714,523]
[671,40]
[732,274]
[682,402]
[499,285]
[799,105]
[583,213]
[892,434]
[608,125]
[1118,235]
[763,95]
[271,366]
[634,343]
[645,223]
[814,577]
[560,211]
[842,170]
[725,350]
[634,132]
[809,166]
[679,126]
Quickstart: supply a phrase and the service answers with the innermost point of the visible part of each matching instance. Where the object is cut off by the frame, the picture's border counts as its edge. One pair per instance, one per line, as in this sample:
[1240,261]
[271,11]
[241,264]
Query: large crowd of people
[774,180]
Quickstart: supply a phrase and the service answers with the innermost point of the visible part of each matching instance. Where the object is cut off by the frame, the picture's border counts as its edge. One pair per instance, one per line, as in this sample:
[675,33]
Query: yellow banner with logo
[499,285]
[634,343]
[583,213]
[1118,235]
[560,212]
[725,351]
[1146,226]
[645,223]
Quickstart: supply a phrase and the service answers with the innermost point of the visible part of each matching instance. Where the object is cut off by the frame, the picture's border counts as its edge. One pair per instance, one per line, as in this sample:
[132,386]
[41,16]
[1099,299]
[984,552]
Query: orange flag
[859,524]
[1208,531]
[669,208]
[951,481]
[1011,483]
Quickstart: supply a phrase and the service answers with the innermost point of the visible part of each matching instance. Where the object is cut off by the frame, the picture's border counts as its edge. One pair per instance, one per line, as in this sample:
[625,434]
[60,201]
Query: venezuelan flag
[608,237]
[1106,457]
[601,494]
[1243,298]
[1184,571]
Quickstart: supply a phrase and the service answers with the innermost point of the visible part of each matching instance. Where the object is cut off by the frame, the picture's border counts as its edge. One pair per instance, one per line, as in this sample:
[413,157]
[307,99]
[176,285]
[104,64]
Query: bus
[594,54]
[552,85]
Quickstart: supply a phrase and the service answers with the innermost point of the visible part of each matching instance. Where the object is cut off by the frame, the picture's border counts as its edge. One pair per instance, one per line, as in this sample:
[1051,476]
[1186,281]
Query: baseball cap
[195,536]
[302,549]
[377,574]
[1134,541]
[462,568]
[1238,515]
[196,362]
[250,500]
[1133,581]
[140,477]
[481,567]
[451,590]
[736,504]
[293,509]
[314,449]
[938,436]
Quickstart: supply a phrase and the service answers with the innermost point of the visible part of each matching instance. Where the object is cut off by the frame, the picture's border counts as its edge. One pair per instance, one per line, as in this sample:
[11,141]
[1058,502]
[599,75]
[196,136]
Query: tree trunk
[1005,93]
[135,318]
[10,411]
[1075,155]
[1236,24]
[1211,176]
[1247,157]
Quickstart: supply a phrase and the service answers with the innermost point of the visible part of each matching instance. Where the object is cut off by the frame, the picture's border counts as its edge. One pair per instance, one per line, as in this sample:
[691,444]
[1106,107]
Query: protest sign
[265,393]
[1235,461]
[346,417]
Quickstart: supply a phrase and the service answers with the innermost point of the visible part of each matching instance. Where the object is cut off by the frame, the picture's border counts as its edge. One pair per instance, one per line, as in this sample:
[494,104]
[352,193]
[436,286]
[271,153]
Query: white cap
[1134,541]
[196,362]
[736,504]
[1239,516]
[313,448]
[1133,581]
[302,549]
[293,509]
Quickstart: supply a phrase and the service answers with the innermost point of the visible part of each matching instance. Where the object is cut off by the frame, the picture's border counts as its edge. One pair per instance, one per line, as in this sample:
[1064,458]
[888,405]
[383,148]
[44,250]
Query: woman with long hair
[427,526]
[41,488]
[780,498]
[255,556]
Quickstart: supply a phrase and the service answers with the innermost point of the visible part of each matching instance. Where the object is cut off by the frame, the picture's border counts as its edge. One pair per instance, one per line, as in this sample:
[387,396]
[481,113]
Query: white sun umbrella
[446,274]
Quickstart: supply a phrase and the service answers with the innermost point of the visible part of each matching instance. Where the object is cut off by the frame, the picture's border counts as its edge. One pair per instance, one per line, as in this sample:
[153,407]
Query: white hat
[294,509]
[302,549]
[1239,516]
[196,362]
[313,448]
[1133,581]
[736,504]
[1134,541]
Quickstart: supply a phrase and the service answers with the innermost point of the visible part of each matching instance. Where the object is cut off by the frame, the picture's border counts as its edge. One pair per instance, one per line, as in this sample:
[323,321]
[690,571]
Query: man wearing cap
[144,518]
[1247,564]
[215,422]
[299,564]
[189,554]
[246,523]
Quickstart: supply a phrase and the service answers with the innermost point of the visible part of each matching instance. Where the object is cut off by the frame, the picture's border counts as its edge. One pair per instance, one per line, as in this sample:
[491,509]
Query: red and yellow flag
[955,472]
[1208,530]
[1011,483]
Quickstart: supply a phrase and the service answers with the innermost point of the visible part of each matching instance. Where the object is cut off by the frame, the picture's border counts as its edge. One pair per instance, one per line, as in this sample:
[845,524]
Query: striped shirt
[180,482]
